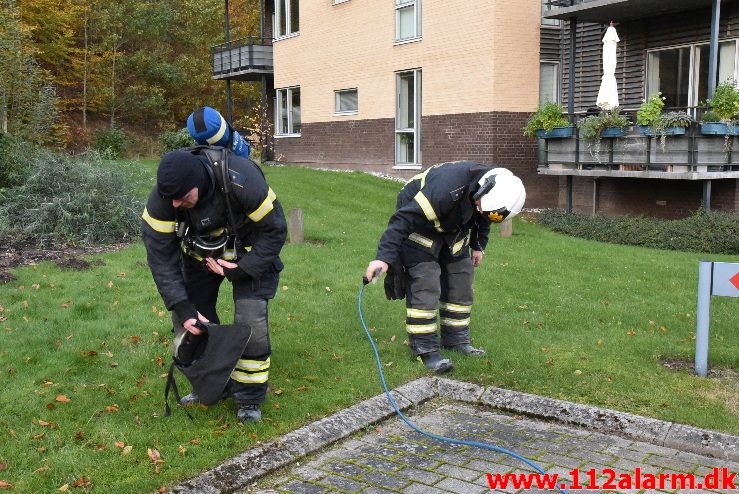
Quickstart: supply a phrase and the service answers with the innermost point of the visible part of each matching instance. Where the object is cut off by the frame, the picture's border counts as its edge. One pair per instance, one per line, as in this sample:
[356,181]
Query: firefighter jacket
[435,211]
[261,229]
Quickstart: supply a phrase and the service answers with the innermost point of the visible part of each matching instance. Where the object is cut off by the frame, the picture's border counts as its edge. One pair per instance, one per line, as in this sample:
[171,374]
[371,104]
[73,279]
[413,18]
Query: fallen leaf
[195,441]
[578,372]
[159,360]
[24,304]
[652,323]
[109,354]
[663,329]
[135,339]
[67,304]
[609,379]
[82,481]
[550,361]
[182,450]
[3,466]
[89,353]
[3,318]
[38,436]
[122,274]
[127,450]
[393,338]
[154,455]
[112,408]
[284,288]
[42,449]
[120,444]
[157,470]
[43,423]
[631,333]
[599,342]
[302,388]
[544,349]
[41,469]
[162,490]
[63,399]
[48,383]
[79,435]
[114,364]
[278,392]
[604,302]
[161,313]
[154,309]
[35,286]
[64,488]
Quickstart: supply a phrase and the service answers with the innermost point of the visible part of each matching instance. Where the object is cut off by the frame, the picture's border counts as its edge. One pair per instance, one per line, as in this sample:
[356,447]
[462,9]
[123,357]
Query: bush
[650,111]
[725,101]
[176,139]
[548,116]
[711,232]
[15,156]
[66,202]
[591,126]
[110,142]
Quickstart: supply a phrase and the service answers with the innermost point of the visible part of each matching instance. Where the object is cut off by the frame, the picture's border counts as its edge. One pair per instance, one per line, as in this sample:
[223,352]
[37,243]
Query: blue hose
[414,426]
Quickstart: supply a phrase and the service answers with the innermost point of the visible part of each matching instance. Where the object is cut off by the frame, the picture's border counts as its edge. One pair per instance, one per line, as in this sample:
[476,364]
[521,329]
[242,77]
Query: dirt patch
[724,373]
[69,258]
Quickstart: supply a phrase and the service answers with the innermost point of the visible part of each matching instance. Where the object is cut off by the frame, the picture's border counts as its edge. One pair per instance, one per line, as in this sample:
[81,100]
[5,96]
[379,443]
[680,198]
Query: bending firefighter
[433,242]
[212,215]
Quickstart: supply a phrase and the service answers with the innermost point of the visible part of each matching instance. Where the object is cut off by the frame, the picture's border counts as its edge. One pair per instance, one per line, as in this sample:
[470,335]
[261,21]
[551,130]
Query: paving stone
[375,490]
[460,487]
[343,483]
[385,480]
[489,467]
[672,464]
[418,461]
[378,463]
[458,472]
[300,487]
[418,475]
[422,489]
[345,468]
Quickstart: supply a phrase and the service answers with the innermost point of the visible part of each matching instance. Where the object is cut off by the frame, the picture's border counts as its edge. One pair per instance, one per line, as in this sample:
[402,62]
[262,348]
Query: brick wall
[490,137]
[651,197]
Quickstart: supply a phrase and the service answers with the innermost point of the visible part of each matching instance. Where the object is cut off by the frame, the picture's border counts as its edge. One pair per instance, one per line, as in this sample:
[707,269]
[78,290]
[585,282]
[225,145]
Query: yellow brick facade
[475,56]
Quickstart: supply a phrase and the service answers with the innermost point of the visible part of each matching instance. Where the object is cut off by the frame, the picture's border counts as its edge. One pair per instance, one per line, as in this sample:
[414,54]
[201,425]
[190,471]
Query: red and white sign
[725,279]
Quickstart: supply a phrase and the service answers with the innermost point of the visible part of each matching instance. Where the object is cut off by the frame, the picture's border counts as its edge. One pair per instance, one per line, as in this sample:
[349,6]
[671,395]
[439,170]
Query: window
[546,7]
[346,101]
[287,19]
[681,73]
[548,81]
[407,19]
[408,119]
[287,108]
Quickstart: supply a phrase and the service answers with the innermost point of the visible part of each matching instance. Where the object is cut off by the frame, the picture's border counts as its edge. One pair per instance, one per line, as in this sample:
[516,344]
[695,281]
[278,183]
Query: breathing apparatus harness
[405,419]
[213,244]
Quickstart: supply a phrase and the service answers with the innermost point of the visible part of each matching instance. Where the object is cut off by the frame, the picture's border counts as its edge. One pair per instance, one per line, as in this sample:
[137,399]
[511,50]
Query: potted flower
[725,106]
[548,122]
[649,113]
[605,124]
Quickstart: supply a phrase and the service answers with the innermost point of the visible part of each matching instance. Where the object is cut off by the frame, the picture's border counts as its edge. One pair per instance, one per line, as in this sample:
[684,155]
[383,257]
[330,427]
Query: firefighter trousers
[438,292]
[249,380]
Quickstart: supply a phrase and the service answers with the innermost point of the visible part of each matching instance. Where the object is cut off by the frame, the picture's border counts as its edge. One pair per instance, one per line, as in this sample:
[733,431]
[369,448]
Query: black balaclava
[180,171]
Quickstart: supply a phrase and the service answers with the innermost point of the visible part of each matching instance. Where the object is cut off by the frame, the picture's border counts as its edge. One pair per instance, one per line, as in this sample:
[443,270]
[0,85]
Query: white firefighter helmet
[501,195]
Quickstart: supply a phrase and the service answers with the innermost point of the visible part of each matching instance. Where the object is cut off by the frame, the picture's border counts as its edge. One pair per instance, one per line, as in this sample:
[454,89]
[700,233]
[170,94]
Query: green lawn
[84,352]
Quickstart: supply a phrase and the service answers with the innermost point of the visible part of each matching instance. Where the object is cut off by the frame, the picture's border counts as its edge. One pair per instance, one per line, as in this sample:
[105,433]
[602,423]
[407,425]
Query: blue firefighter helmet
[207,126]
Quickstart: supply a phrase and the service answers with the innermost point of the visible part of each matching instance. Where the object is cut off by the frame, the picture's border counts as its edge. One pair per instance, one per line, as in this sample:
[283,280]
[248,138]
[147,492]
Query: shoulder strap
[172,384]
[218,158]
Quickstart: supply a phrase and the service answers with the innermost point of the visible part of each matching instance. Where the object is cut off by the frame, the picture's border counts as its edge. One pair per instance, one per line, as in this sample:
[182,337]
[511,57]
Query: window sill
[407,40]
[338,2]
[287,36]
[283,136]
[345,113]
[408,166]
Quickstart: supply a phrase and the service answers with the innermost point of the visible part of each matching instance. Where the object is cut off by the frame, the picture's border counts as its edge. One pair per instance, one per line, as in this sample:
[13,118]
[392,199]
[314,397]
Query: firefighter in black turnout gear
[212,215]
[433,242]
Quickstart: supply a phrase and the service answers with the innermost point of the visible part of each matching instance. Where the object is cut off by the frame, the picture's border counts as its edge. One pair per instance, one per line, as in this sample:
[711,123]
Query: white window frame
[279,131]
[277,20]
[337,2]
[694,63]
[416,129]
[337,96]
[557,77]
[403,4]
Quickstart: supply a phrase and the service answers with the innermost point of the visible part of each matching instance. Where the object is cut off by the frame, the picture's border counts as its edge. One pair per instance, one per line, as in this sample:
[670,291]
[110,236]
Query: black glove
[395,283]
[184,310]
[234,274]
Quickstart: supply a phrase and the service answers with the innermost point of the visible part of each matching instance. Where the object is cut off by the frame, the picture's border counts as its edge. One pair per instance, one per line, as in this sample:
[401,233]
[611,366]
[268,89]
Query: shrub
[66,202]
[548,116]
[725,101]
[650,111]
[15,156]
[176,139]
[593,125]
[110,142]
[711,232]
[710,116]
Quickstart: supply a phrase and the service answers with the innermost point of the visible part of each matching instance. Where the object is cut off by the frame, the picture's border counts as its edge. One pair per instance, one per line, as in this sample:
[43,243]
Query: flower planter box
[555,133]
[612,132]
[648,130]
[719,128]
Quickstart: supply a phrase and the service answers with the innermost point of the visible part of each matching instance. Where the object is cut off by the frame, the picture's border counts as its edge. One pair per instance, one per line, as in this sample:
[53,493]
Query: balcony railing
[242,58]
[692,156]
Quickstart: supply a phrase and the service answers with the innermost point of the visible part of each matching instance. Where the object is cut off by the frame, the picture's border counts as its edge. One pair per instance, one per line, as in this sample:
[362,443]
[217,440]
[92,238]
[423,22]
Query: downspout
[571,98]
[229,96]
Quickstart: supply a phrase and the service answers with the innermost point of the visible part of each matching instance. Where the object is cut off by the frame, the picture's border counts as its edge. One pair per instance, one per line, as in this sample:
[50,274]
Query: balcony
[245,59]
[624,10]
[692,156]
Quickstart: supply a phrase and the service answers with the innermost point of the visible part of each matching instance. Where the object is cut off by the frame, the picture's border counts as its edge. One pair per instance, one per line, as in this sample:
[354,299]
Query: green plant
[725,101]
[710,117]
[176,139]
[674,119]
[109,142]
[592,125]
[548,116]
[650,110]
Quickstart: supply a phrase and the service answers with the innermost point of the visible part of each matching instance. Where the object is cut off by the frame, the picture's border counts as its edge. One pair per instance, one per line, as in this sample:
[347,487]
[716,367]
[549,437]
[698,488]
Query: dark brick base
[493,137]
[659,198]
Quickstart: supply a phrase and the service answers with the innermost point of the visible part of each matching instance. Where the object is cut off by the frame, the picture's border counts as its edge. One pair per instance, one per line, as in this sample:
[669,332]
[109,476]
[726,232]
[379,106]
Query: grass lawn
[84,352]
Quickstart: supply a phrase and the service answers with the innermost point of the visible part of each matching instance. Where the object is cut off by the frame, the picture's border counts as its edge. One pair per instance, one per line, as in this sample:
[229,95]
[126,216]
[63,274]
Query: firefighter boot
[191,399]
[467,349]
[436,363]
[249,413]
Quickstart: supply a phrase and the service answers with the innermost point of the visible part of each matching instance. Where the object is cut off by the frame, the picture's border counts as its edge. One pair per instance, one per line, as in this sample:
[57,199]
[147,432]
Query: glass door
[408,120]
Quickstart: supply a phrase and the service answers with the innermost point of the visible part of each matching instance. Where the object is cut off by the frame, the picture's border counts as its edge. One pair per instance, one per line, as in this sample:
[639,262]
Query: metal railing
[691,152]
[250,53]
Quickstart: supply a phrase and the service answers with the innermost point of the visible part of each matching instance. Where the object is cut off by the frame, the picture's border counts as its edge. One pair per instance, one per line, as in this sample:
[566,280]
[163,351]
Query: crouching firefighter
[212,215]
[433,242]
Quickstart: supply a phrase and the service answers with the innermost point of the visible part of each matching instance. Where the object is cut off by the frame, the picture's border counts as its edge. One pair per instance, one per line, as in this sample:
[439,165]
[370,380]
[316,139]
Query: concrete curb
[239,471]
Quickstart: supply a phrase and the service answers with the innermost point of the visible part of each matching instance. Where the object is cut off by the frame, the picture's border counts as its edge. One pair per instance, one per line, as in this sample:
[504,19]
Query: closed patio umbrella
[608,93]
